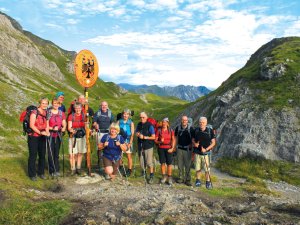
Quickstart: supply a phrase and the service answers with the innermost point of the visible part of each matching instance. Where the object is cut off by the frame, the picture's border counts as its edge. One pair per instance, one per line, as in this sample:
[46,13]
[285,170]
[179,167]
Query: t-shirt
[167,135]
[112,151]
[184,136]
[56,120]
[204,138]
[40,122]
[77,120]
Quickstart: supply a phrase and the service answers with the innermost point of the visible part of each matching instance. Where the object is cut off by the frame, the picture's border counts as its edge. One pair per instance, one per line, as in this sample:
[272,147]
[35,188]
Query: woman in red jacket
[37,140]
[165,140]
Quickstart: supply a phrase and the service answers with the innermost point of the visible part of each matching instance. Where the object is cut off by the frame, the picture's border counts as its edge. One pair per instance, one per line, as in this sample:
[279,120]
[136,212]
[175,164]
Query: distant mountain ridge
[184,92]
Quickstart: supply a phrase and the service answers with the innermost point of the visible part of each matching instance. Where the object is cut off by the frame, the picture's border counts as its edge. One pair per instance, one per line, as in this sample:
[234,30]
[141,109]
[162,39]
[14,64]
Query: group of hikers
[113,139]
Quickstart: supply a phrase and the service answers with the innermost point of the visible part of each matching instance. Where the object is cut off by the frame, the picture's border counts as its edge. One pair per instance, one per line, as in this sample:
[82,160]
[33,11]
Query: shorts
[164,156]
[115,165]
[80,145]
[200,163]
[129,150]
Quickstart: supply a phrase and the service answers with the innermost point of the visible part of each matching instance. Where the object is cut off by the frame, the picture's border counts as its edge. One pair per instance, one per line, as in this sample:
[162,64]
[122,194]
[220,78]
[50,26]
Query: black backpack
[25,119]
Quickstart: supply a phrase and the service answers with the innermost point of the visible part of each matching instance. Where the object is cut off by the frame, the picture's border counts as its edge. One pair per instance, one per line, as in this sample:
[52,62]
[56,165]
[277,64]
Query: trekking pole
[63,151]
[47,152]
[48,139]
[134,162]
[124,169]
[144,167]
[208,171]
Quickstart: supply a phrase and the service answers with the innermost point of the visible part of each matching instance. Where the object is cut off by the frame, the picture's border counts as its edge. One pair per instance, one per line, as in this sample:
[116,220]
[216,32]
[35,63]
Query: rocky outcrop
[18,51]
[247,125]
[269,72]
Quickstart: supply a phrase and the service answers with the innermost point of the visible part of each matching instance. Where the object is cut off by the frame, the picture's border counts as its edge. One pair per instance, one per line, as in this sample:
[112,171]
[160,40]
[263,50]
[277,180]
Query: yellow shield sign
[86,68]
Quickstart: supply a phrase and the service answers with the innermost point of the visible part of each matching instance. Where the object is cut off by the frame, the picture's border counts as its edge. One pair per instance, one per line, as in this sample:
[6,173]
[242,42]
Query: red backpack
[153,122]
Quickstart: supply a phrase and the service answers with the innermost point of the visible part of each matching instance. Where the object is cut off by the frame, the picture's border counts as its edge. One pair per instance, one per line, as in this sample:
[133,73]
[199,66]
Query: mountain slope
[189,93]
[31,67]
[257,110]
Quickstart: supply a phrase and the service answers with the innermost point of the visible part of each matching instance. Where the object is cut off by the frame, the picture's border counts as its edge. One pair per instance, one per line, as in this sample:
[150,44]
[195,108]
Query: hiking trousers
[36,146]
[184,158]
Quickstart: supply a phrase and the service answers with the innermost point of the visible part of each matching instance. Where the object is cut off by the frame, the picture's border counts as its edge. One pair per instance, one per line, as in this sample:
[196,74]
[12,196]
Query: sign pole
[86,70]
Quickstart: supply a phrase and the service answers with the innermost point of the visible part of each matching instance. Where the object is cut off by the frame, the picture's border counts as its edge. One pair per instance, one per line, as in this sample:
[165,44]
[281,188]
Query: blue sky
[163,42]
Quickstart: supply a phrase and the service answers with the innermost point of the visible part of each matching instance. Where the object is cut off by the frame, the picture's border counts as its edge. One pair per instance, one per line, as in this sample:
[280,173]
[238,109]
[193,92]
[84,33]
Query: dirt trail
[98,201]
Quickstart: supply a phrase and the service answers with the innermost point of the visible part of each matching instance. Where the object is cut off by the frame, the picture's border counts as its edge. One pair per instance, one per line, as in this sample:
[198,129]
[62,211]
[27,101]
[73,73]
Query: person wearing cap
[127,126]
[165,140]
[60,96]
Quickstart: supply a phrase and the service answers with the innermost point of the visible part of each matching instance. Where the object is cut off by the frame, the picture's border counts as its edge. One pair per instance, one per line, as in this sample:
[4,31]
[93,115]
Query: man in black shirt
[204,140]
[183,134]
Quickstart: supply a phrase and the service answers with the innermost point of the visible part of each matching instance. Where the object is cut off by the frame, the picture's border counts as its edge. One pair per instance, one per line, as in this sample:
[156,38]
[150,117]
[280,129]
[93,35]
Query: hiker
[61,97]
[56,120]
[146,136]
[126,124]
[204,140]
[77,140]
[83,101]
[37,139]
[101,122]
[165,140]
[184,133]
[112,145]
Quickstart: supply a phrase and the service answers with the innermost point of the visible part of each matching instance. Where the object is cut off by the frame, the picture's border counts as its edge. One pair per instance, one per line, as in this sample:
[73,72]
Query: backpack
[180,130]
[190,121]
[49,113]
[153,122]
[108,114]
[25,118]
[169,131]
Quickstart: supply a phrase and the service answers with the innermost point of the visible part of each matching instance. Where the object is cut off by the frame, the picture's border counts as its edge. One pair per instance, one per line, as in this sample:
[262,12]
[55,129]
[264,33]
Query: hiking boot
[188,183]
[107,177]
[179,181]
[128,173]
[57,174]
[73,172]
[198,183]
[163,179]
[151,180]
[208,185]
[170,180]
[42,176]
[33,178]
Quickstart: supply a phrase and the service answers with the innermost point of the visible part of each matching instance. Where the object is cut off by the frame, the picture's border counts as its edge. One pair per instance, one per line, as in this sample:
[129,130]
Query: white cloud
[4,9]
[293,29]
[72,21]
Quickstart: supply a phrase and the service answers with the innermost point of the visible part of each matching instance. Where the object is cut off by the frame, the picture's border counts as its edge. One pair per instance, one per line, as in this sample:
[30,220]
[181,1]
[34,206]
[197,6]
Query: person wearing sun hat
[61,97]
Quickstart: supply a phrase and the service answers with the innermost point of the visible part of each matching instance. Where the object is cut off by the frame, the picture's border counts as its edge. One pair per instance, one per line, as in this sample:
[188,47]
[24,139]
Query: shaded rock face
[18,51]
[245,129]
